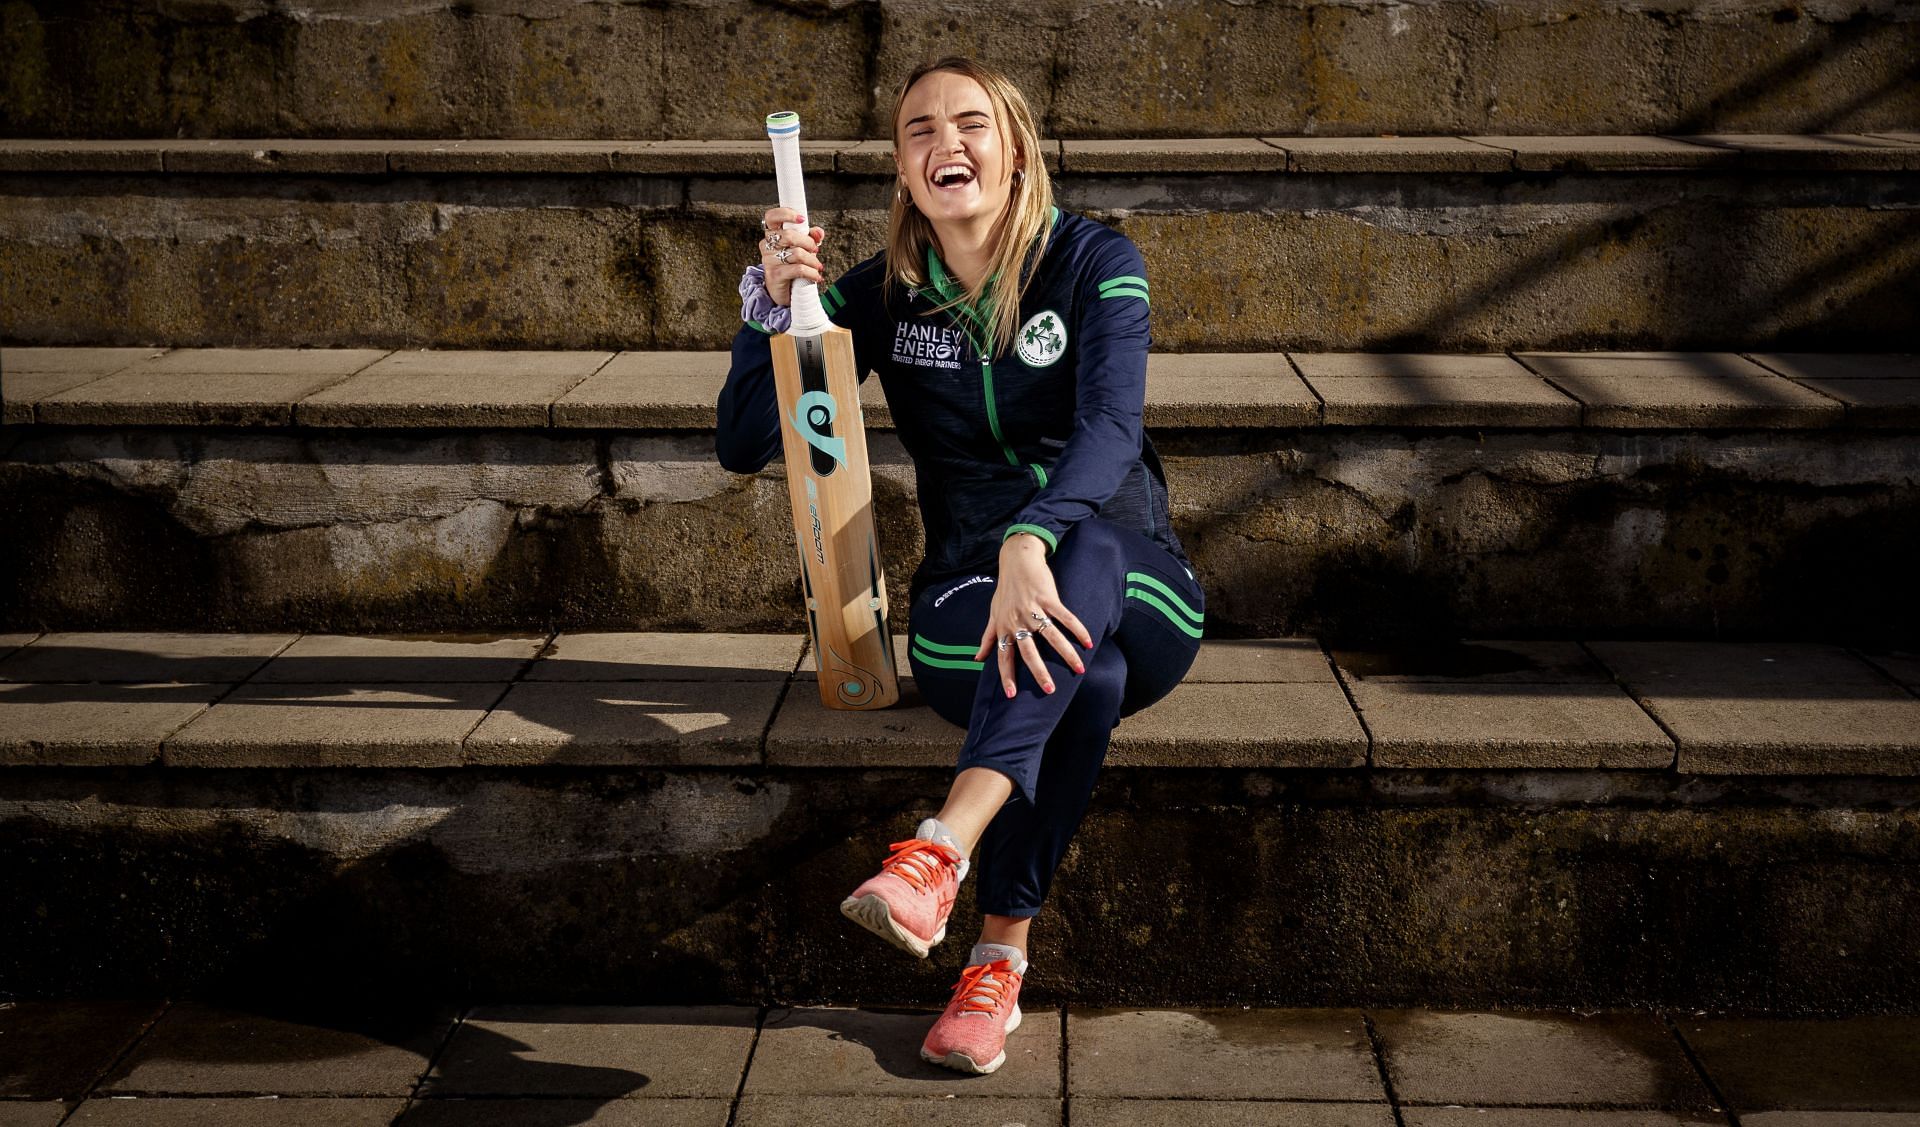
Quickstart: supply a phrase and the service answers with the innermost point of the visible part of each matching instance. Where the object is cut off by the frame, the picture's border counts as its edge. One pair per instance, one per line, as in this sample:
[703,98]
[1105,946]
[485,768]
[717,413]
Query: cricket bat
[826,447]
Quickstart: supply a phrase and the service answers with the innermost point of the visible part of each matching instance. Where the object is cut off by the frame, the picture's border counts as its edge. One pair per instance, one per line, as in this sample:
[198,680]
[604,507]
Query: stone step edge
[1883,151]
[745,701]
[584,390]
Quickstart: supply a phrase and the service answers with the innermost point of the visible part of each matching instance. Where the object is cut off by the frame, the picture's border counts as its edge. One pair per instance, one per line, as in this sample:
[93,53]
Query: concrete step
[404,1059]
[534,68]
[1445,243]
[1720,495]
[675,818]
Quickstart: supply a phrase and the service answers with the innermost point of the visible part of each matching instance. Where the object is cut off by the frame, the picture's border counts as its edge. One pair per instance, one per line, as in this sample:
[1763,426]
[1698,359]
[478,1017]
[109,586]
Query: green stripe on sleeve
[1053,544]
[1148,598]
[1141,294]
[1123,280]
[1040,472]
[759,326]
[943,648]
[1146,580]
[947,663]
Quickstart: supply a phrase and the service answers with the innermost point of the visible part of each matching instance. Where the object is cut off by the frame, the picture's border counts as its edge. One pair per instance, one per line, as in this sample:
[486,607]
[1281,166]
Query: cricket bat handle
[783,129]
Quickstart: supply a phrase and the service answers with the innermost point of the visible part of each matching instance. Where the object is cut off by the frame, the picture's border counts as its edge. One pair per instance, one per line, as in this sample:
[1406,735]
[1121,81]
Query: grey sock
[994,952]
[933,829]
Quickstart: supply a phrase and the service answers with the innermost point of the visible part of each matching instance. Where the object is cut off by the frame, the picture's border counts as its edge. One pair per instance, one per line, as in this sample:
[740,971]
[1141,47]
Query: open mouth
[950,176]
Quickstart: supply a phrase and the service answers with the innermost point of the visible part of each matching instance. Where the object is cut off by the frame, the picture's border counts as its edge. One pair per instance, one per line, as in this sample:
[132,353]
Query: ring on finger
[783,255]
[775,241]
[1022,635]
[1005,642]
[1044,623]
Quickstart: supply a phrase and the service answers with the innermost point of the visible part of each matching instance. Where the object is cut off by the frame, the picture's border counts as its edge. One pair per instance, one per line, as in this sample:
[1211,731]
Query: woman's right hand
[802,261]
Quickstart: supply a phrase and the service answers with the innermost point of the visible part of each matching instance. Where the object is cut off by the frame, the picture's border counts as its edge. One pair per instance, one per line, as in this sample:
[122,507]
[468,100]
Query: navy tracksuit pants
[1144,611]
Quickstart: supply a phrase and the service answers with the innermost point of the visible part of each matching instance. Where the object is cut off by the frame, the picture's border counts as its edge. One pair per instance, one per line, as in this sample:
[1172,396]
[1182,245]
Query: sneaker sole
[963,1063]
[872,913]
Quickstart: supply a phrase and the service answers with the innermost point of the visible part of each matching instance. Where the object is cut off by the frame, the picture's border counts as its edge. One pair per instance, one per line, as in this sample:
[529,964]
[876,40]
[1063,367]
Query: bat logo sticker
[812,416]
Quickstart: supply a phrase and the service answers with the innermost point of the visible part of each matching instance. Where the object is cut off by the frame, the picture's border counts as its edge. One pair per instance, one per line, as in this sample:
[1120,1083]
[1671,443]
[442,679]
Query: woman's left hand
[1024,598]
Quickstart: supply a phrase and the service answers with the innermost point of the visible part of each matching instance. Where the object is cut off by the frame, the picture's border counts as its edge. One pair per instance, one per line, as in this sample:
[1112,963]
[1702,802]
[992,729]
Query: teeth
[952,173]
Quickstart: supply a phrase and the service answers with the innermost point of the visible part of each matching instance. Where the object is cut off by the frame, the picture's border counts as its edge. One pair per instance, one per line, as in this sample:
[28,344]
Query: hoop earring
[901,194]
[1019,176]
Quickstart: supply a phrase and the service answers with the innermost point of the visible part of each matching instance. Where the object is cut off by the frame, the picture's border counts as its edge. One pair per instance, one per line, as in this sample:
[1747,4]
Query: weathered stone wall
[1353,261]
[1552,888]
[1344,533]
[1093,68]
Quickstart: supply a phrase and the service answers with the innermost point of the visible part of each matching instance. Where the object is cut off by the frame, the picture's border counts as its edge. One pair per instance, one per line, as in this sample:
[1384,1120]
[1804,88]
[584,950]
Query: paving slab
[1476,661]
[1269,1054]
[831,1051]
[602,1051]
[1903,136]
[130,656]
[115,1111]
[1227,390]
[1390,154]
[1842,365]
[144,398]
[265,361]
[1172,155]
[1303,724]
[489,154]
[52,1050]
[1837,152]
[201,1049]
[56,155]
[325,156]
[1555,1117]
[806,733]
[1608,154]
[1833,729]
[1660,665]
[53,725]
[1831,1119]
[377,659]
[636,656]
[430,387]
[1519,1057]
[1228,1113]
[404,725]
[21,392]
[1674,390]
[32,1113]
[637,390]
[12,642]
[1411,389]
[567,1113]
[898,1111]
[721,158]
[1874,403]
[1901,665]
[1839,1064]
[611,723]
[78,361]
[1269,660]
[1508,726]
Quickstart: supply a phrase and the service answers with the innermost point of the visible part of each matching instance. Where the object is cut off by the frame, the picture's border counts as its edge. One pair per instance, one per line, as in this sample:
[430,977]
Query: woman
[1054,598]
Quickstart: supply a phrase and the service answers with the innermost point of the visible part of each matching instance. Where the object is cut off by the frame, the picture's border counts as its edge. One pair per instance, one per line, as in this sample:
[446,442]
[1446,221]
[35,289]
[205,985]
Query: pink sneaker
[909,902]
[972,1035]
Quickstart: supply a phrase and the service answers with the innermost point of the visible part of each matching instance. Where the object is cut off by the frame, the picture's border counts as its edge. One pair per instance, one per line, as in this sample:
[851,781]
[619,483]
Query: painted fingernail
[1079,669]
[1048,686]
[1009,692]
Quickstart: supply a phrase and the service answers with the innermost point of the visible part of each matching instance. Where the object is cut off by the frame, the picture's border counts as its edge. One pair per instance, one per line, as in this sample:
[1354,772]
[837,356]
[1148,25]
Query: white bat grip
[783,129]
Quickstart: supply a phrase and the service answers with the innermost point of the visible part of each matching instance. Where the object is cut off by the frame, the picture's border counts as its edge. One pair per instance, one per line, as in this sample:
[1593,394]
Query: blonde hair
[1023,228]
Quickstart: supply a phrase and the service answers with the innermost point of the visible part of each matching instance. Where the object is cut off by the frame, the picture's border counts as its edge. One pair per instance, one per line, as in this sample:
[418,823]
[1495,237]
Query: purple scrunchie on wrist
[757,306]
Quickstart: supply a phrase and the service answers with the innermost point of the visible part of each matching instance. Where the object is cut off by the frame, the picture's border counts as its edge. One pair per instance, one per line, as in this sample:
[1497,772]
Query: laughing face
[952,154]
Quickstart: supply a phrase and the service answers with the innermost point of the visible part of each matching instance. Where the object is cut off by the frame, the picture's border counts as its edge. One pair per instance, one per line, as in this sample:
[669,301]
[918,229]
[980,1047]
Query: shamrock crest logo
[1042,340]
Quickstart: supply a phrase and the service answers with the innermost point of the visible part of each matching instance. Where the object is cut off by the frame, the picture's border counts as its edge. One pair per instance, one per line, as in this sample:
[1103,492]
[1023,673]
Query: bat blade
[832,491]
